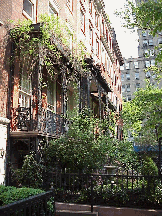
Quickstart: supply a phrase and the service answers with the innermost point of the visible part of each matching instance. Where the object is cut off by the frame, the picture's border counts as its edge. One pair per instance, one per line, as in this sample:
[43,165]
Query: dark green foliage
[87,145]
[12,194]
[143,114]
[136,198]
[31,173]
[149,167]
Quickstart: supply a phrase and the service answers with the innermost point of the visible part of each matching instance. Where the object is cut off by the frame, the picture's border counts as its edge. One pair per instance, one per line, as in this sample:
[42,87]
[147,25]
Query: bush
[149,167]
[12,194]
[31,174]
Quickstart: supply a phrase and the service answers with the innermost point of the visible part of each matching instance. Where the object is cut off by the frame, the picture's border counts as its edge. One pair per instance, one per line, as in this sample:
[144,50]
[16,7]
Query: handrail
[27,206]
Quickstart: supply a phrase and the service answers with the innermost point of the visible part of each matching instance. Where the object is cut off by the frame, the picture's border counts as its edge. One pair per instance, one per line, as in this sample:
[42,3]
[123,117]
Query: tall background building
[136,70]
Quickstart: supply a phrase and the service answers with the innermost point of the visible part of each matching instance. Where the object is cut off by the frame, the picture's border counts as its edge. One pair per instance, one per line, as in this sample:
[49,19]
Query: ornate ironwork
[49,122]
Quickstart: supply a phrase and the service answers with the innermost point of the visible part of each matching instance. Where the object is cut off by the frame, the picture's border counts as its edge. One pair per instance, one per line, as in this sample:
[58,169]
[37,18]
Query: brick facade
[88,23]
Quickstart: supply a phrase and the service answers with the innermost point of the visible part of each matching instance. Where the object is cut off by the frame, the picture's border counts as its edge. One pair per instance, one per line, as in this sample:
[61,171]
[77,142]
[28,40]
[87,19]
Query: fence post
[91,193]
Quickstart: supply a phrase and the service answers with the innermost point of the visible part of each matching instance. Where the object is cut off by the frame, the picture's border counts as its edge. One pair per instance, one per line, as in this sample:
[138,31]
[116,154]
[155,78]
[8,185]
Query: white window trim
[33,12]
[53,4]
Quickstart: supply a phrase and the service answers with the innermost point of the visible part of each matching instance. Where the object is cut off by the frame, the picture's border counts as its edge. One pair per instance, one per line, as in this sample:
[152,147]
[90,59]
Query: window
[96,19]
[122,67]
[137,76]
[103,28]
[128,87]
[144,34]
[127,76]
[127,66]
[97,47]
[123,88]
[136,64]
[28,8]
[70,35]
[145,43]
[148,74]
[137,86]
[128,97]
[151,52]
[51,96]
[70,5]
[152,62]
[90,36]
[82,20]
[107,35]
[146,53]
[150,42]
[25,89]
[108,64]
[122,77]
[115,80]
[160,41]
[90,6]
[53,9]
[147,64]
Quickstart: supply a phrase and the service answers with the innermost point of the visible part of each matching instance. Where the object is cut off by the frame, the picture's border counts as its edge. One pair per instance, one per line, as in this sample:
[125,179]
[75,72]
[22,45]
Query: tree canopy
[88,145]
[145,15]
[143,114]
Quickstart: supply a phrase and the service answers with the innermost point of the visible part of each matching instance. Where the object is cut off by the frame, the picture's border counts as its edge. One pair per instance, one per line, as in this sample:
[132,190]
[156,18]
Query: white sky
[127,41]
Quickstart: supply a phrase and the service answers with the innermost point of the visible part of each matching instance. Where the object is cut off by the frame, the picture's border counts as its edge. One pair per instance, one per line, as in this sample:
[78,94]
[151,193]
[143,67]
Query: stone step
[75,213]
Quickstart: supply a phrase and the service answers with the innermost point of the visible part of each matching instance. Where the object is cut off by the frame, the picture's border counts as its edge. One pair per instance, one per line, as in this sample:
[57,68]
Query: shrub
[12,194]
[31,174]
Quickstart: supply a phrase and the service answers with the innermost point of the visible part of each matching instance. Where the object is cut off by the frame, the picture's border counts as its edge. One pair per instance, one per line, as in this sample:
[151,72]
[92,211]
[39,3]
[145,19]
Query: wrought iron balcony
[46,123]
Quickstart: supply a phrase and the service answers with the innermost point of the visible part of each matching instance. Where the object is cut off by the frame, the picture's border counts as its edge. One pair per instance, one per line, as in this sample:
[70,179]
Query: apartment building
[135,70]
[30,114]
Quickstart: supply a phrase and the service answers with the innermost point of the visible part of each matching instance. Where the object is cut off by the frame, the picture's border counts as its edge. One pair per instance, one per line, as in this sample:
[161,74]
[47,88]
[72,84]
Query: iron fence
[105,189]
[35,205]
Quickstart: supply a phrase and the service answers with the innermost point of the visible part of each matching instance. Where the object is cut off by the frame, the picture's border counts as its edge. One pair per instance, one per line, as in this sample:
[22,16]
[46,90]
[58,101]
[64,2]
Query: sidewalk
[105,210]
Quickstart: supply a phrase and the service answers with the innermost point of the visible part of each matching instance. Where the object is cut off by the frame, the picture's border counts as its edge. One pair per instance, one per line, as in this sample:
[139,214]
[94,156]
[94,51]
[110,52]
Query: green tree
[145,15]
[88,145]
[142,115]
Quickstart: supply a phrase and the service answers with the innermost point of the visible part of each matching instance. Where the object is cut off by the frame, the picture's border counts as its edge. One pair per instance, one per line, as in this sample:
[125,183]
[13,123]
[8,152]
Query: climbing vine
[47,44]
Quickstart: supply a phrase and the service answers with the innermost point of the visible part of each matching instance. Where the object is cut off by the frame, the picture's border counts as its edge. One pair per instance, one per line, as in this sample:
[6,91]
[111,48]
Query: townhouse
[32,112]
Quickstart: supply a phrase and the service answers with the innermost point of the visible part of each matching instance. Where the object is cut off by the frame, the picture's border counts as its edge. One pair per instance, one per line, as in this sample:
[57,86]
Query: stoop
[75,213]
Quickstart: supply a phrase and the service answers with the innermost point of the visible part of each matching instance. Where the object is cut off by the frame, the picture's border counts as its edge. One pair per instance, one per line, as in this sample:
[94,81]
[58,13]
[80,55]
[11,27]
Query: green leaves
[12,194]
[143,113]
[87,145]
[146,15]
[31,173]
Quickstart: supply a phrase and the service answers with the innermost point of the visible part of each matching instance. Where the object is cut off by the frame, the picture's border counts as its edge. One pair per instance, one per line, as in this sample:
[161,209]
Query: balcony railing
[47,122]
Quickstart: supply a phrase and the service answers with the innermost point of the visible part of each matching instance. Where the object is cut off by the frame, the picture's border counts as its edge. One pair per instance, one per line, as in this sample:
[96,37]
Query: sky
[127,41]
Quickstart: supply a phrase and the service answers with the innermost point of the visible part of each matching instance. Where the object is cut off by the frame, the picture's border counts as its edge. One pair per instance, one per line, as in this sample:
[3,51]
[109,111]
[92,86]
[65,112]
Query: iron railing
[47,122]
[100,189]
[34,205]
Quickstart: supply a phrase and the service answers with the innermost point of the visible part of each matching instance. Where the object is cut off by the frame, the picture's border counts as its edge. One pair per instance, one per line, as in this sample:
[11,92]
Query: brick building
[33,113]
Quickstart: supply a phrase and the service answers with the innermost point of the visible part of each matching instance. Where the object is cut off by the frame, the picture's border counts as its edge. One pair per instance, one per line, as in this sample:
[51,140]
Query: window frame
[127,76]
[136,76]
[136,64]
[128,88]
[53,7]
[69,4]
[127,66]
[82,19]
[33,8]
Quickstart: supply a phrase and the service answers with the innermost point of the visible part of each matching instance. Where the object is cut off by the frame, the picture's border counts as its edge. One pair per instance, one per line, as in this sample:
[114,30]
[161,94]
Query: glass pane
[28,7]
